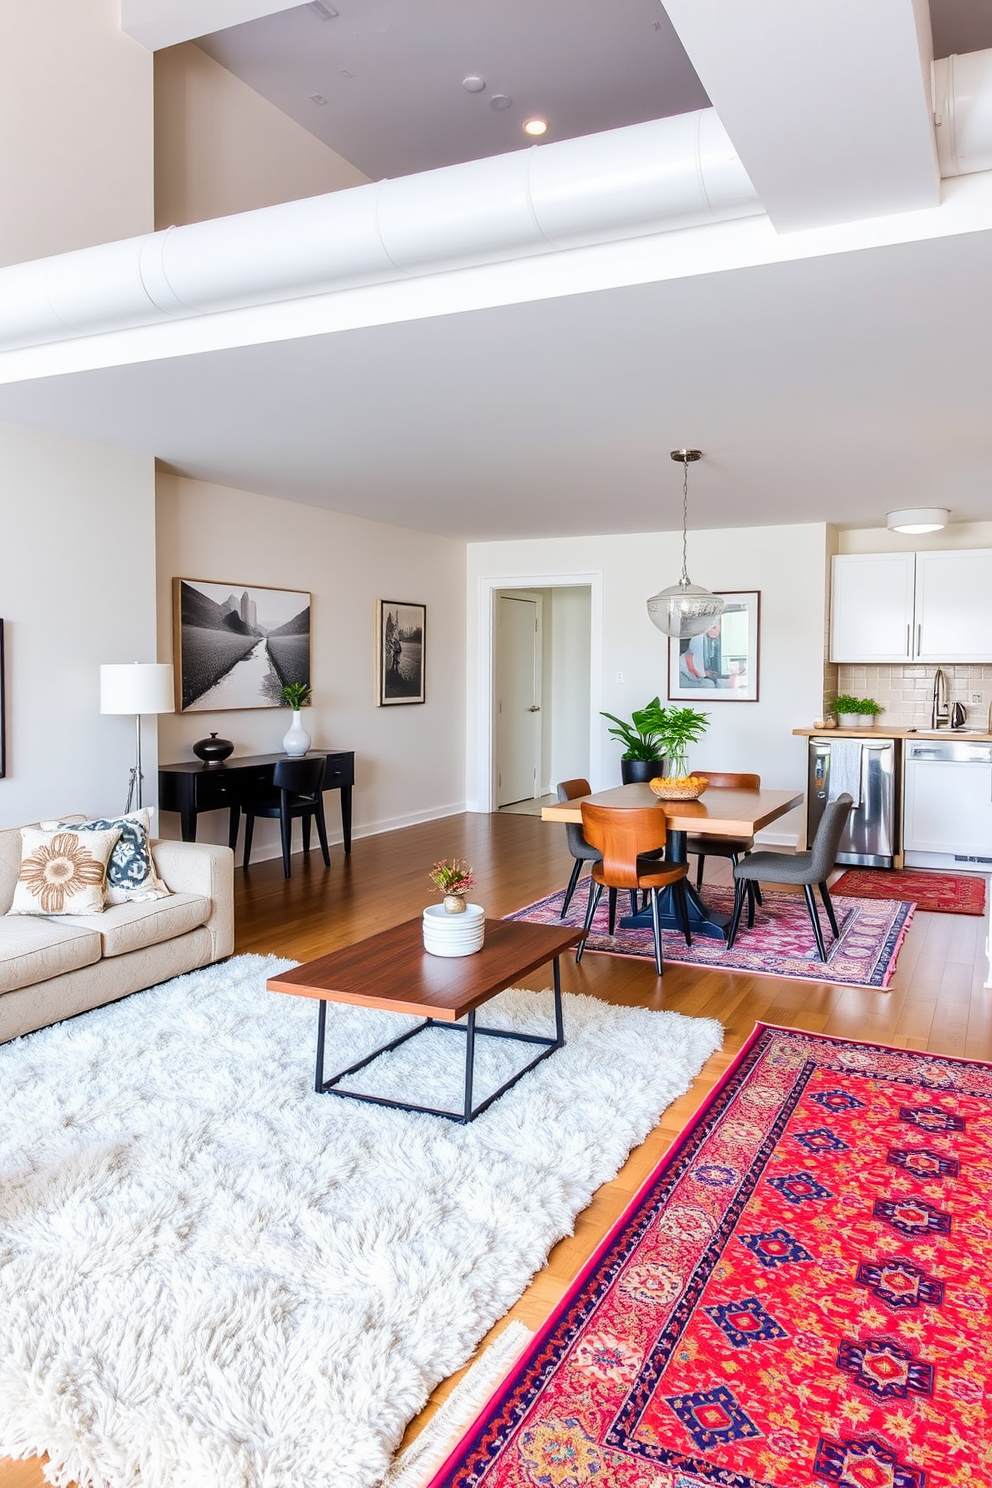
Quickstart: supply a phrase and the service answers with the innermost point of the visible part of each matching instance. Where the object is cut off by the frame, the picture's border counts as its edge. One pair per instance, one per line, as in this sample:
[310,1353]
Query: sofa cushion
[131,875]
[62,872]
[133,927]
[10,863]
[33,948]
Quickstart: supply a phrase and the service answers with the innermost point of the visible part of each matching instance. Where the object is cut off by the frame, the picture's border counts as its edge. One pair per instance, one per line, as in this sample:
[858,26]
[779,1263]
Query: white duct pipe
[962,105]
[646,178]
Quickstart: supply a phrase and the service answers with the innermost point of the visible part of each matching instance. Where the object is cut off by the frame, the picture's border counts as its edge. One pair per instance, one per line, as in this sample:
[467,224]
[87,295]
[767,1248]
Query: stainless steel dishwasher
[869,771]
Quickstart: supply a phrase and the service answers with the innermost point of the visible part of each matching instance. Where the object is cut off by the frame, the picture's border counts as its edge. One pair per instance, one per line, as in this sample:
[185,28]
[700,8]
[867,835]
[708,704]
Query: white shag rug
[211,1277]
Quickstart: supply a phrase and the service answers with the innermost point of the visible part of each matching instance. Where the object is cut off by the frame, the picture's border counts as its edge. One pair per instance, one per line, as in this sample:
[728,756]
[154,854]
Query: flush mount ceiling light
[536,126]
[917,519]
[499,102]
[473,83]
[684,609]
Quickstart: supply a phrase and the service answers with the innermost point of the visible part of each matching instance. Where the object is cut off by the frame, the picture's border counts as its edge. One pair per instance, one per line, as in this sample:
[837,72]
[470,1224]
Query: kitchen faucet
[940,713]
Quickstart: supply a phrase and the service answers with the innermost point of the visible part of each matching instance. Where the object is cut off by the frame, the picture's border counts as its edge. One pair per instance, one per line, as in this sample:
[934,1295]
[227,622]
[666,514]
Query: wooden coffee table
[392,971]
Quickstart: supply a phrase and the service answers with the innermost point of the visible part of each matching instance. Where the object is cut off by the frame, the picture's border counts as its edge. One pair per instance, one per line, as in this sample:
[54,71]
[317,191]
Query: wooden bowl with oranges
[679,787]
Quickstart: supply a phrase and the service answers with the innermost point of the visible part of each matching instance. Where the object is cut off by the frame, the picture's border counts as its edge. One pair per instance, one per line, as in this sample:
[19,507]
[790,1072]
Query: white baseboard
[769,838]
[263,852]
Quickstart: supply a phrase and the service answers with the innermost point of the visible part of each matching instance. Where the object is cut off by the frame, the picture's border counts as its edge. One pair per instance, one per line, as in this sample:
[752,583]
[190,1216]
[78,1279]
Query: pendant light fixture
[684,609]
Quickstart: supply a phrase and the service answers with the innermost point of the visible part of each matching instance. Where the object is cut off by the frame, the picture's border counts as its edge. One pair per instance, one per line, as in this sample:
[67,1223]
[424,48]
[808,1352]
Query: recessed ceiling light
[473,83]
[499,102]
[915,519]
[536,126]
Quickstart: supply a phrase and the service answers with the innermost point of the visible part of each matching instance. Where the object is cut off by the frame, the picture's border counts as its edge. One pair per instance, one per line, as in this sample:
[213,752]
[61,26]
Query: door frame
[489,585]
[535,598]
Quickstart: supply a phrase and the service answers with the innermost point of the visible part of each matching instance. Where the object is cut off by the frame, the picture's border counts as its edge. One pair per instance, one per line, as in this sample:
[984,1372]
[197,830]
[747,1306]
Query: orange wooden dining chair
[627,836]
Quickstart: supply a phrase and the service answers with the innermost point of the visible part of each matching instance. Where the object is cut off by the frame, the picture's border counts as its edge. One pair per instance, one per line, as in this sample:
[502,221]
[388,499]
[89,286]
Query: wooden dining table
[722,811]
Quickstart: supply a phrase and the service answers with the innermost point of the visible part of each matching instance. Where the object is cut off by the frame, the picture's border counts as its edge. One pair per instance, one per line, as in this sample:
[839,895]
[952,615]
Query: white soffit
[164,23]
[827,105]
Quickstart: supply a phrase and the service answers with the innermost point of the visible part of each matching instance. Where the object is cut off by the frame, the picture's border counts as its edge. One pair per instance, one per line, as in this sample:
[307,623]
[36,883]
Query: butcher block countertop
[962,735]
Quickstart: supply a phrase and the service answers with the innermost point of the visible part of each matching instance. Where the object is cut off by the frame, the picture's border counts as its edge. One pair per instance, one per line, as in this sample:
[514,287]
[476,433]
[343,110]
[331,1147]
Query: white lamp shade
[137,687]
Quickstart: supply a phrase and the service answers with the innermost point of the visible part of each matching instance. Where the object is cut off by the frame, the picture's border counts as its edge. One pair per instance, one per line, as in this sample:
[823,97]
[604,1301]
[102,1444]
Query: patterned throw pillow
[62,872]
[131,876]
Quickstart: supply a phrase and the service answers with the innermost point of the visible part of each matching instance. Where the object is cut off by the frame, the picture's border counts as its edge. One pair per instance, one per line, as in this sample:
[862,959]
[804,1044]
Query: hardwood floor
[936,1000]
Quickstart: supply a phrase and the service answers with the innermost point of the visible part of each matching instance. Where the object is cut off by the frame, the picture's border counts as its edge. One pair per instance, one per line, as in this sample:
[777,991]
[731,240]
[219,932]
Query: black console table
[192,787]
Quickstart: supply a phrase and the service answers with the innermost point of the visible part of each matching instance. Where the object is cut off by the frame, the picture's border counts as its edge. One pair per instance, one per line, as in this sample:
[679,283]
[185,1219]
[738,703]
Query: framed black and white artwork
[400,636]
[3,713]
[721,665]
[238,645]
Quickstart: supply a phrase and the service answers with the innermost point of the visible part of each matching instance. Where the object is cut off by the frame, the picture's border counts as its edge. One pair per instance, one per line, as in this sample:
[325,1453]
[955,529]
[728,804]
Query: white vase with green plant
[853,712]
[681,727]
[296,741]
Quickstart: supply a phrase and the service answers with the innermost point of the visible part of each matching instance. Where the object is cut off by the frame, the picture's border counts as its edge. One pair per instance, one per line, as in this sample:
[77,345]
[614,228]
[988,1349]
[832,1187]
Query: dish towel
[845,770]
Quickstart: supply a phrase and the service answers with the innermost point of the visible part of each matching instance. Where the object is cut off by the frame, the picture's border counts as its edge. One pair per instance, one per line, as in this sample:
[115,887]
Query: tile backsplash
[906,691]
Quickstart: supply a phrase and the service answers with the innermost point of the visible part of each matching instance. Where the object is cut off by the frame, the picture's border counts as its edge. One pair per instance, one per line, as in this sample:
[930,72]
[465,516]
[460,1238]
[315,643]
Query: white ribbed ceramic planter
[454,935]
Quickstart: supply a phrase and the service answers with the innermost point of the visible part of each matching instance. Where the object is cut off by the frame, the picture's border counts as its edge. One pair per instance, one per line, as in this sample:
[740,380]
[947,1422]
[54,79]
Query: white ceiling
[825,389]
[391,72]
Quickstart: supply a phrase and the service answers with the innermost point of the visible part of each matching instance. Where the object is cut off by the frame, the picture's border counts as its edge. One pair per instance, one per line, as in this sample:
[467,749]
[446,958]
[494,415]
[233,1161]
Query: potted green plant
[643,757]
[296,741]
[682,727]
[853,712]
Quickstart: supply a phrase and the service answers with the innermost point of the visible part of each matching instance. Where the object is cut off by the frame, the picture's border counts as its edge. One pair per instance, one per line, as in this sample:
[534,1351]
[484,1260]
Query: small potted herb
[853,712]
[453,878]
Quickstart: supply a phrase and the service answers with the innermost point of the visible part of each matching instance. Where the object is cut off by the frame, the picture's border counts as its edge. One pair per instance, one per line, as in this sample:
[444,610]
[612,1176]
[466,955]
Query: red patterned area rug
[799,1295]
[781,943]
[938,893]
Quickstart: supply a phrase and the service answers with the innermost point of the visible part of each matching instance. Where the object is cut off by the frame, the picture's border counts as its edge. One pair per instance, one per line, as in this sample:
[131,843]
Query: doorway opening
[542,640]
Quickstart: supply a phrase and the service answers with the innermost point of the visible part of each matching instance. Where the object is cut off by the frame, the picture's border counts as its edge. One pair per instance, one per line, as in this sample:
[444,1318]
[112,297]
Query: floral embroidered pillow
[62,872]
[131,876]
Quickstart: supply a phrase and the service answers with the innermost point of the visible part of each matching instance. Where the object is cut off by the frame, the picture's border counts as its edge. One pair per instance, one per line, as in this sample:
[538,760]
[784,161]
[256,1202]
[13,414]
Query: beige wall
[75,128]
[221,148]
[77,575]
[409,760]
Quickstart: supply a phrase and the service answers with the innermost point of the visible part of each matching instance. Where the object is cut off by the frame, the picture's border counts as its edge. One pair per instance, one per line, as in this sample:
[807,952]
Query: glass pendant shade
[684,610]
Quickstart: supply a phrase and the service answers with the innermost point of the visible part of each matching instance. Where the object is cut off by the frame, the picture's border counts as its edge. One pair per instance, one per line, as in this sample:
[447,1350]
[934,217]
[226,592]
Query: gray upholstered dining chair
[808,868]
[581,850]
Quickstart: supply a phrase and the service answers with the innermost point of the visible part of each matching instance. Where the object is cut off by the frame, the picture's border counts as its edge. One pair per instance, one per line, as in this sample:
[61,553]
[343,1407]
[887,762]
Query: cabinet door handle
[909,640]
[919,640]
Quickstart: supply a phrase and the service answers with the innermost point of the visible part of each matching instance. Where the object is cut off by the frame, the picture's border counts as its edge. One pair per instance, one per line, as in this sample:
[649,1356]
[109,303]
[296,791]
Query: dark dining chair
[733,848]
[807,868]
[629,839]
[581,850]
[297,793]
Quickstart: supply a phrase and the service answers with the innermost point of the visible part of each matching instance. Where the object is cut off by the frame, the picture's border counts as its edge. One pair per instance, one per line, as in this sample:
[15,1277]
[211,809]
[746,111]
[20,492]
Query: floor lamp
[136,687]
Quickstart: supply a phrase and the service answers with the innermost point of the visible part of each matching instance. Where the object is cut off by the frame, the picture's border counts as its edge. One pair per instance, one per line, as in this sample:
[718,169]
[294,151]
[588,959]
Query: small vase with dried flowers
[453,878]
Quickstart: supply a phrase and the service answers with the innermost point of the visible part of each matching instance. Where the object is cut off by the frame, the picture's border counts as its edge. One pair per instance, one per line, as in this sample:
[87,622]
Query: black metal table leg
[469,1063]
[711,923]
[321,1031]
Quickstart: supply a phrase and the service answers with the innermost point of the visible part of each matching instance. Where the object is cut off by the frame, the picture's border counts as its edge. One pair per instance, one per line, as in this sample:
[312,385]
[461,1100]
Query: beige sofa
[54,966]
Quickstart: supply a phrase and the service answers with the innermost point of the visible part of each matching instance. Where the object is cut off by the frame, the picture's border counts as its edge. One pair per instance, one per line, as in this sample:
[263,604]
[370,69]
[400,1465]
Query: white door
[518,699]
[954,606]
[871,607]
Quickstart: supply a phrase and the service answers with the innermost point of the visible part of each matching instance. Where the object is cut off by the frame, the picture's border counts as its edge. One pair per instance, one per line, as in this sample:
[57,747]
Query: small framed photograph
[237,645]
[400,635]
[721,665]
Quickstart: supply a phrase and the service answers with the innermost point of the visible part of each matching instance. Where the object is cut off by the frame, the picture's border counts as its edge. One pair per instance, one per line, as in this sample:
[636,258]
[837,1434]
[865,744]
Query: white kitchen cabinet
[928,607]
[871,610]
[954,606]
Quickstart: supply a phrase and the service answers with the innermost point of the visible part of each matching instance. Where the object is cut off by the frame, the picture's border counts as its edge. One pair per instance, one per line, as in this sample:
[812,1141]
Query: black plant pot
[634,770]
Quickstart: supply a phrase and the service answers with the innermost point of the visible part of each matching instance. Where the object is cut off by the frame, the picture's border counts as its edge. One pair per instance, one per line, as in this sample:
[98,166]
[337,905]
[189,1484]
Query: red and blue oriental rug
[801,1294]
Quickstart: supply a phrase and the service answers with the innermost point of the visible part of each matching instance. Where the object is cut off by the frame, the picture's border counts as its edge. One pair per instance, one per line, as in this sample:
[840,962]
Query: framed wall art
[3,713]
[237,645]
[400,636]
[720,665]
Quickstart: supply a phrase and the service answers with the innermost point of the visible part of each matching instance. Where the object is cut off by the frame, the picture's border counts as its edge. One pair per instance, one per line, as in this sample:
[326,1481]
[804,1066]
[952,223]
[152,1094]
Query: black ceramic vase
[213,751]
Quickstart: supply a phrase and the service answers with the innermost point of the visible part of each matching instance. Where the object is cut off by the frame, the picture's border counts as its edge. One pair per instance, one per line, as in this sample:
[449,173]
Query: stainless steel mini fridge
[867,769]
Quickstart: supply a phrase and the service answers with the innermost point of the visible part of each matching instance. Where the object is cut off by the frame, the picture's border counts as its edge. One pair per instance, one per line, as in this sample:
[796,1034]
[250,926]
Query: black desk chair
[807,868]
[298,794]
[582,851]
